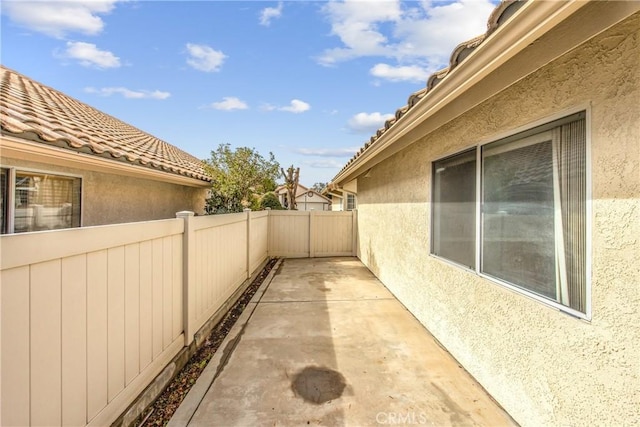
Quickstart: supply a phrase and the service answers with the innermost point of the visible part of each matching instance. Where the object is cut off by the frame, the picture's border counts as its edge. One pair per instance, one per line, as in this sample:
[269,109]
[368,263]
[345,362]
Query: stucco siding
[544,366]
[112,199]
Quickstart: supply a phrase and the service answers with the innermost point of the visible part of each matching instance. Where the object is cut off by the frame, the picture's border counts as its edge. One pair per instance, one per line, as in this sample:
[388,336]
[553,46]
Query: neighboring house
[502,207]
[342,198]
[306,199]
[65,164]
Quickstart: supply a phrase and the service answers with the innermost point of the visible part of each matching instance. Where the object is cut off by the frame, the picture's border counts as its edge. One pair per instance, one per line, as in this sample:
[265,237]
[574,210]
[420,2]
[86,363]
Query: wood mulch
[160,412]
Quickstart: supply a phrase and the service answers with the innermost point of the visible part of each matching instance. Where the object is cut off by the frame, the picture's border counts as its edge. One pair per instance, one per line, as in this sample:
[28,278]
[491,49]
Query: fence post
[188,276]
[354,229]
[248,212]
[312,251]
[268,231]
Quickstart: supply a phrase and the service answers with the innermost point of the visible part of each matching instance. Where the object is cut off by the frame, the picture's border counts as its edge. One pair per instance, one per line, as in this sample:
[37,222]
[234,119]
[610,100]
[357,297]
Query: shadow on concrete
[327,344]
[283,368]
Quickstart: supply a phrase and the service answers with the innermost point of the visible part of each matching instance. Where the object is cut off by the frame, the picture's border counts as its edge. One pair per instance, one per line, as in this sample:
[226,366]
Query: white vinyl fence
[300,234]
[89,316]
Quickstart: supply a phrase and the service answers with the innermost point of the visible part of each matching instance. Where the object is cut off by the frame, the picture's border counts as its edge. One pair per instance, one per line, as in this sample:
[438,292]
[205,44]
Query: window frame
[432,243]
[526,132]
[13,170]
[355,202]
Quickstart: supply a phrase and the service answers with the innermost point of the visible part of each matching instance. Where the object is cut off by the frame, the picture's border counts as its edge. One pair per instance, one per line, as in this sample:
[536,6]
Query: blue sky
[310,81]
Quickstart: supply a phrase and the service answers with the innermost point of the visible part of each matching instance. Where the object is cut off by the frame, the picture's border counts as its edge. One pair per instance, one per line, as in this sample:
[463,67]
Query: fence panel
[96,332]
[332,233]
[90,316]
[220,266]
[289,234]
[46,359]
[299,234]
[77,313]
[74,340]
[259,242]
[14,358]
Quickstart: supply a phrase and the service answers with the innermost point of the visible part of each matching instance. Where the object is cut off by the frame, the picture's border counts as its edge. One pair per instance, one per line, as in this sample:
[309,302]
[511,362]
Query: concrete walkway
[324,343]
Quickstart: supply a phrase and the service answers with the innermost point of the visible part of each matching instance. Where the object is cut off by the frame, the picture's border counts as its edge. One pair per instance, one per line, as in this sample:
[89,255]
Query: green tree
[270,200]
[238,176]
[319,186]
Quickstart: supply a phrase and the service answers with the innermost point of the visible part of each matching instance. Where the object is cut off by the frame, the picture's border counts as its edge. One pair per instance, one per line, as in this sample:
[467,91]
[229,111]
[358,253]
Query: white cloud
[295,106]
[368,122]
[89,55]
[205,58]
[229,103]
[324,163]
[57,18]
[437,29]
[270,13]
[421,34]
[327,152]
[128,93]
[356,23]
[411,73]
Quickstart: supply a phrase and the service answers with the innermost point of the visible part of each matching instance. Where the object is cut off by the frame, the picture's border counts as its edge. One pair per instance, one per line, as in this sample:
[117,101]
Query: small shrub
[270,200]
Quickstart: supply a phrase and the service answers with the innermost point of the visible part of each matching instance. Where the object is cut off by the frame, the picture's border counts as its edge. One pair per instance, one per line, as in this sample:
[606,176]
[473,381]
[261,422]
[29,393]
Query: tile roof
[500,14]
[30,110]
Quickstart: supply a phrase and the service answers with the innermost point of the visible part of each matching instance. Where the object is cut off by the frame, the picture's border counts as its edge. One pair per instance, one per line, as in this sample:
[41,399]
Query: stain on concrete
[320,285]
[318,384]
[226,353]
[228,349]
[317,280]
[279,270]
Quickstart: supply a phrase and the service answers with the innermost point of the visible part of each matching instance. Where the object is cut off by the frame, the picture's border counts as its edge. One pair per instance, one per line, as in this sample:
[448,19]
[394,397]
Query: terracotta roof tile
[500,14]
[27,107]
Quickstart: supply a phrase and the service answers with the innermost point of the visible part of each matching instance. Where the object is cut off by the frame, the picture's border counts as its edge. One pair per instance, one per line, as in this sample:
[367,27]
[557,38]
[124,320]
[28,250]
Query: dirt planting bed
[163,408]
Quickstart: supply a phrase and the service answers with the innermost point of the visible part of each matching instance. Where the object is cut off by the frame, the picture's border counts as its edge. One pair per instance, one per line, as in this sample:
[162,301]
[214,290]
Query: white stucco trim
[21,149]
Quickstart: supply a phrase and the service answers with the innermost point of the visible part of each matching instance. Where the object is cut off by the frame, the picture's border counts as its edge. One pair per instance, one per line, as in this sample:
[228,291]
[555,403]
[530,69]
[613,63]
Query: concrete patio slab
[328,344]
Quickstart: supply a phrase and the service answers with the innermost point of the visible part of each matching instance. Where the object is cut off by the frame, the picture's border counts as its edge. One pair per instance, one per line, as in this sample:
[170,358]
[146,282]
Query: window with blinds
[351,202]
[454,208]
[39,201]
[532,211]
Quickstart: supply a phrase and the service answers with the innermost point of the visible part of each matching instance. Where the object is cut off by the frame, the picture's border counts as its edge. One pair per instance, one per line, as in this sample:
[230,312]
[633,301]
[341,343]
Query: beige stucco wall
[543,366]
[111,198]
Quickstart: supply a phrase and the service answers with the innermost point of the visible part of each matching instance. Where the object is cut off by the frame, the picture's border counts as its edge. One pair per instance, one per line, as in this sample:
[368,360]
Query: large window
[532,204]
[40,201]
[518,231]
[454,208]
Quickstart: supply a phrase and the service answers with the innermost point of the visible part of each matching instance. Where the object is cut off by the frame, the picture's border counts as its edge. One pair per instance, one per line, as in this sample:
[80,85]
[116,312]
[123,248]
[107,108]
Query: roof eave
[17,148]
[529,23]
